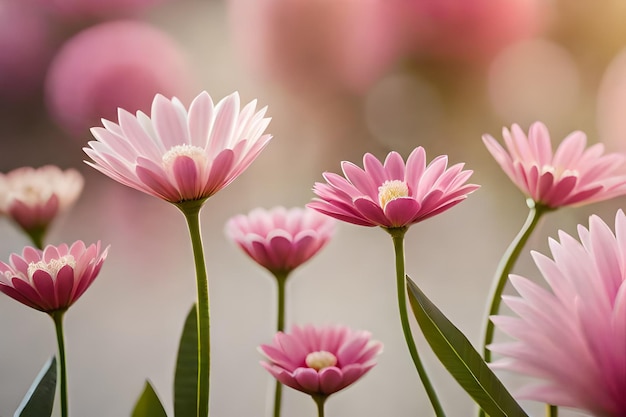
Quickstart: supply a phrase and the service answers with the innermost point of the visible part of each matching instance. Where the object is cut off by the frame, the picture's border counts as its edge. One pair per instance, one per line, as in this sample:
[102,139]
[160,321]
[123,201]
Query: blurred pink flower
[52,279]
[113,64]
[336,44]
[471,31]
[178,154]
[320,360]
[573,338]
[391,195]
[33,197]
[26,47]
[96,9]
[279,239]
[572,176]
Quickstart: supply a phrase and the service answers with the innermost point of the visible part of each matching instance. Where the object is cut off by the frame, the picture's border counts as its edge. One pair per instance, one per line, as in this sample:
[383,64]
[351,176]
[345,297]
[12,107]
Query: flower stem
[319,400]
[281,279]
[504,269]
[398,243]
[552,410]
[57,317]
[36,235]
[191,210]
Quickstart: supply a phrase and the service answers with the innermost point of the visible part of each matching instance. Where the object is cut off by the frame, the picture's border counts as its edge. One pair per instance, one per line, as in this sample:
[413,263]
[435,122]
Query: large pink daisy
[573,338]
[572,175]
[178,154]
[392,194]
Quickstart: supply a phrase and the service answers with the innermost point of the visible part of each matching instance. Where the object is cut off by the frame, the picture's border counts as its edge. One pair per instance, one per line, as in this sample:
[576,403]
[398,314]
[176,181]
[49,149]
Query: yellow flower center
[194,152]
[320,360]
[53,267]
[390,190]
[32,194]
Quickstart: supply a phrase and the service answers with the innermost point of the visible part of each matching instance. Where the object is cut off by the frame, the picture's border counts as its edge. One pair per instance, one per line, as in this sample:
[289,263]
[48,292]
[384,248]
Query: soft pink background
[126,327]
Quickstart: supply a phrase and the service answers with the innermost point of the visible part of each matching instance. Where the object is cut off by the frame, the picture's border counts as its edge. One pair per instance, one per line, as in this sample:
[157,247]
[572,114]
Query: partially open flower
[572,336]
[280,239]
[392,195]
[53,279]
[572,175]
[33,197]
[320,360]
[178,154]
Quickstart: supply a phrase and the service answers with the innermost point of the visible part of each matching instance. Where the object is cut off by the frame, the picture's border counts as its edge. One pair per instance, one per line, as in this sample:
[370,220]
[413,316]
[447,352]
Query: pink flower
[33,197]
[180,155]
[573,338]
[109,65]
[26,46]
[471,31]
[52,279]
[280,239]
[338,44]
[572,176]
[392,195]
[320,360]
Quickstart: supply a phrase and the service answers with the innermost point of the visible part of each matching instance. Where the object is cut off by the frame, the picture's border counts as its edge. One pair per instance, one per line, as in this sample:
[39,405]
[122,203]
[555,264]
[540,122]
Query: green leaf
[148,404]
[186,374]
[39,399]
[460,358]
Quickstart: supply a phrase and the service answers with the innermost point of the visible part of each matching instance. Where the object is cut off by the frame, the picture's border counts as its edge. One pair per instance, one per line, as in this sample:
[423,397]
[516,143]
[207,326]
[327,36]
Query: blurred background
[341,78]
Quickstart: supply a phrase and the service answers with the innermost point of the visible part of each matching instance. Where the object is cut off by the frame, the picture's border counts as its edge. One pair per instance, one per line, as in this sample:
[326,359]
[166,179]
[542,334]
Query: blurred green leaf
[460,358]
[148,404]
[39,399]
[186,375]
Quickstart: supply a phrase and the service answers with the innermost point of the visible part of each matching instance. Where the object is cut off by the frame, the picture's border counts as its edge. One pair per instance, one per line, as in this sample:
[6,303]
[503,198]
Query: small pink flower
[280,239]
[572,176]
[178,154]
[573,338]
[33,197]
[52,279]
[320,360]
[392,195]
[111,65]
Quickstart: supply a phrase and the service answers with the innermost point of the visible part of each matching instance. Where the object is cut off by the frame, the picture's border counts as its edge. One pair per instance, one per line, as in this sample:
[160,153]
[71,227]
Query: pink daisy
[392,195]
[280,239]
[53,279]
[33,197]
[572,175]
[178,154]
[320,360]
[573,338]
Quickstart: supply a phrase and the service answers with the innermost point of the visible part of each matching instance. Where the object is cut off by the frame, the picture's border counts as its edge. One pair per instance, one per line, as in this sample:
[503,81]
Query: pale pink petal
[572,176]
[137,152]
[571,335]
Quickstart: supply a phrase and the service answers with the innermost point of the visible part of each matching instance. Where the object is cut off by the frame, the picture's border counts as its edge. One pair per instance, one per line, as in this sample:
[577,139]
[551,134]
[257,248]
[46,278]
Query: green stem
[320,400]
[552,410]
[191,210]
[281,279]
[57,317]
[398,244]
[36,235]
[506,266]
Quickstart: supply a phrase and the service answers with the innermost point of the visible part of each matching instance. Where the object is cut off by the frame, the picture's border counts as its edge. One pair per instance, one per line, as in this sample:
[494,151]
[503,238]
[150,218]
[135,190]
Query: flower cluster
[570,336]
